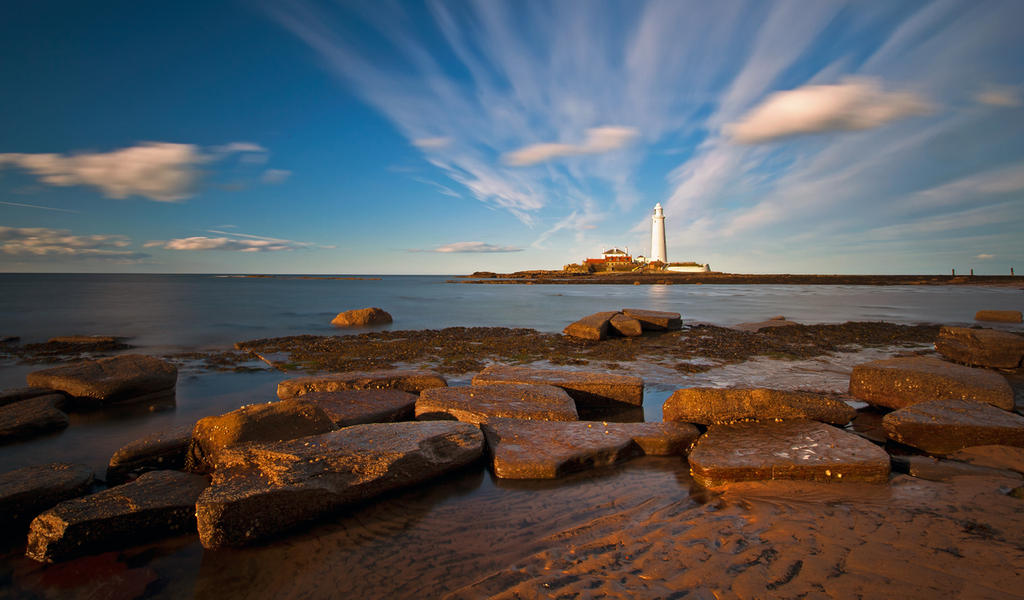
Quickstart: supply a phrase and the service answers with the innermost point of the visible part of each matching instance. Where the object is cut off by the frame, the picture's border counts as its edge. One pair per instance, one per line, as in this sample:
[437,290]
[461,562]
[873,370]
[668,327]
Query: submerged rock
[361,317]
[266,489]
[26,492]
[406,381]
[358,407]
[481,403]
[164,450]
[999,316]
[994,456]
[592,327]
[935,469]
[708,406]
[158,504]
[769,324]
[83,340]
[981,347]
[586,388]
[125,378]
[900,382]
[25,393]
[945,426]
[30,418]
[805,450]
[626,326]
[655,319]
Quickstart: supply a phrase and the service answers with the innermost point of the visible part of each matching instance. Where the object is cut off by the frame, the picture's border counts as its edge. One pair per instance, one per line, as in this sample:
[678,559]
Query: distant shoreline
[561,277]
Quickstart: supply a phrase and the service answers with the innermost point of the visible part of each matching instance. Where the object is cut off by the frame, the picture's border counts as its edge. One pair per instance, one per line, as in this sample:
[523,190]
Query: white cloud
[225,243]
[45,242]
[855,104]
[985,256]
[473,247]
[235,147]
[275,175]
[1003,96]
[432,143]
[598,140]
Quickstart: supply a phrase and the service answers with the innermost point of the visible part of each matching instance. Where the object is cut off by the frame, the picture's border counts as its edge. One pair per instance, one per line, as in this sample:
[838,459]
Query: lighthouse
[658,251]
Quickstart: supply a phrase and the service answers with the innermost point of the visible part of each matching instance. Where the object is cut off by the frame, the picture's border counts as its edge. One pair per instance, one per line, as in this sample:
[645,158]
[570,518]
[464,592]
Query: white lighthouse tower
[658,251]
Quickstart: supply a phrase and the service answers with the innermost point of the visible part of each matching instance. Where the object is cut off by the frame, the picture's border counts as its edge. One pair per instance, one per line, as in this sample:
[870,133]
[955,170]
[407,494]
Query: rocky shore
[671,278]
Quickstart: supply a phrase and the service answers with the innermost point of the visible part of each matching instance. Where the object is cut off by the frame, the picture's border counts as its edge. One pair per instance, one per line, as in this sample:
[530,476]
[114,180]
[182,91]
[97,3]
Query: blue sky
[449,137]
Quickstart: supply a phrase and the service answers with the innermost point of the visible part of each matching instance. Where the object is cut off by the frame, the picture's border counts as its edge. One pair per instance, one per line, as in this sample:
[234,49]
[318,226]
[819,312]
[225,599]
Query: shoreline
[668,278]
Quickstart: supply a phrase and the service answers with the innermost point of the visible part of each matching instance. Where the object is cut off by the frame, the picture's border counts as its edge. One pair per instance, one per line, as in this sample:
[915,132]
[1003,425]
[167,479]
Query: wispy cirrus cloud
[985,256]
[43,242]
[598,140]
[432,143]
[232,241]
[1000,95]
[470,248]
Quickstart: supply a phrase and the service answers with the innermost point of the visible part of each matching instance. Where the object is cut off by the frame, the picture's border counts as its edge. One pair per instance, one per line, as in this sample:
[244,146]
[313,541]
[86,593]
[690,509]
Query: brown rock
[481,403]
[413,382]
[655,319]
[900,382]
[272,422]
[361,317]
[30,418]
[164,450]
[358,407]
[264,490]
[586,388]
[83,340]
[25,393]
[708,406]
[125,378]
[626,326]
[945,426]
[661,439]
[998,316]
[770,323]
[981,347]
[934,469]
[805,450]
[592,327]
[26,492]
[156,505]
[994,456]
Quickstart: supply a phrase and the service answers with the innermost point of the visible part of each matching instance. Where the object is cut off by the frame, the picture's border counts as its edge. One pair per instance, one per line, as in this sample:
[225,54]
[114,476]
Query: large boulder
[125,378]
[413,382]
[264,490]
[158,504]
[626,326]
[945,426]
[981,347]
[586,388]
[592,327]
[805,450]
[998,316]
[524,449]
[24,393]
[655,320]
[271,422]
[163,450]
[900,382]
[480,403]
[362,317]
[358,407]
[26,492]
[31,418]
[708,406]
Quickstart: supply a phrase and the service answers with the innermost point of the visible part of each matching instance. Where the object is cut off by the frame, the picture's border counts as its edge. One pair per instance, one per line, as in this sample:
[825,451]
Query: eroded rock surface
[27,419]
[935,469]
[626,326]
[592,327]
[26,492]
[358,407]
[125,378]
[413,382]
[945,426]
[998,316]
[164,450]
[25,393]
[655,320]
[362,317]
[266,489]
[584,387]
[708,406]
[995,456]
[769,324]
[900,382]
[803,450]
[480,403]
[981,347]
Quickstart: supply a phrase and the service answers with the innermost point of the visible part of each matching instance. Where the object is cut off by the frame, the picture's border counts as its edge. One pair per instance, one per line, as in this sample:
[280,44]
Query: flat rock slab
[125,378]
[164,450]
[655,319]
[625,326]
[26,492]
[480,403]
[25,393]
[708,406]
[358,407]
[792,450]
[998,316]
[586,388]
[945,426]
[550,449]
[592,327]
[981,347]
[362,317]
[30,418]
[901,382]
[264,490]
[934,469]
[994,456]
[158,504]
[413,382]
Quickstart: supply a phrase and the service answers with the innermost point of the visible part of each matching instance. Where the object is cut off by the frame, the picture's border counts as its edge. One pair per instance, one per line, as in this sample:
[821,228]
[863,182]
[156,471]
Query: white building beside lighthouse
[658,250]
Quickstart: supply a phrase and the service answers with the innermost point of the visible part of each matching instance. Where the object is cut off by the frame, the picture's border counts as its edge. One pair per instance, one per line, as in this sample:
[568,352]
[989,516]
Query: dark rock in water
[361,317]
[158,504]
[584,387]
[524,449]
[626,326]
[900,382]
[481,403]
[265,489]
[769,324]
[358,407]
[655,319]
[708,406]
[30,418]
[994,456]
[981,347]
[999,316]
[413,382]
[125,378]
[164,450]
[934,469]
[18,394]
[26,492]
[592,327]
[84,340]
[272,422]
[801,450]
[9,339]
[945,426]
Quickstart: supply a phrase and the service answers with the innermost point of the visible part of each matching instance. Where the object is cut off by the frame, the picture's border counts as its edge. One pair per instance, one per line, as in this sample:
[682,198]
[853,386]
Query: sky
[450,137]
